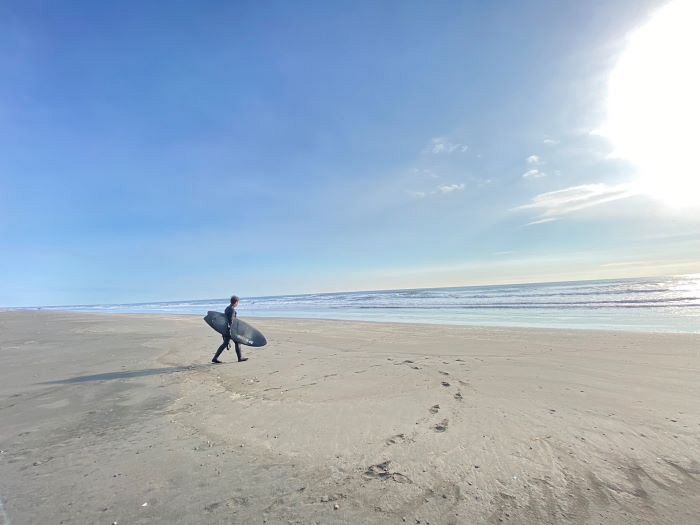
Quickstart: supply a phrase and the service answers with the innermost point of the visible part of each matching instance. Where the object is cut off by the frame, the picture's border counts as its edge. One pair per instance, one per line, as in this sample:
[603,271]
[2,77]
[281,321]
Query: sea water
[665,304]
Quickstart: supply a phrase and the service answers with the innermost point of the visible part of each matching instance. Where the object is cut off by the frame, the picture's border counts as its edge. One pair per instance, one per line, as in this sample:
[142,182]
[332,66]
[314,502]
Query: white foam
[5,519]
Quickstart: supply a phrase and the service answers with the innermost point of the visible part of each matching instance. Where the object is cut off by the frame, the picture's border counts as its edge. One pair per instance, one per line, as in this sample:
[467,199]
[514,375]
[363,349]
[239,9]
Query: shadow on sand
[126,374]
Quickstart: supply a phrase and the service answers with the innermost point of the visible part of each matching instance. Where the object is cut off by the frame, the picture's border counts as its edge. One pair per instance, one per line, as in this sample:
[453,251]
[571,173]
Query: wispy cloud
[449,188]
[444,145]
[542,221]
[533,174]
[553,205]
[442,189]
[425,172]
[550,142]
[628,263]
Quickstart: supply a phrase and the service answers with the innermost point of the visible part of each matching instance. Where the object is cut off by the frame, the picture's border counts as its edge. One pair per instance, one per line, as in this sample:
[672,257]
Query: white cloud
[550,142]
[628,263]
[533,174]
[553,205]
[449,188]
[444,145]
[542,221]
[442,189]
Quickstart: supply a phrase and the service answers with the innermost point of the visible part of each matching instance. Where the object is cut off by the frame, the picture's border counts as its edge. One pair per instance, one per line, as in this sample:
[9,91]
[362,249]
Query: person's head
[234,300]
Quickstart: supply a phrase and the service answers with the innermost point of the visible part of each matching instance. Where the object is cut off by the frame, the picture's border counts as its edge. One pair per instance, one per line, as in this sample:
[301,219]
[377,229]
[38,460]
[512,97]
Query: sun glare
[654,104]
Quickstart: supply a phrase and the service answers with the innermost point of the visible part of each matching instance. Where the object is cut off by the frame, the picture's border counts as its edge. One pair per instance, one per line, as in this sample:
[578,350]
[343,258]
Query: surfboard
[241,332]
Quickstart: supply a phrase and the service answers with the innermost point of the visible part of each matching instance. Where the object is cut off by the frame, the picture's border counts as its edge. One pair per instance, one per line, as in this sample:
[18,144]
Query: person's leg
[223,346]
[239,354]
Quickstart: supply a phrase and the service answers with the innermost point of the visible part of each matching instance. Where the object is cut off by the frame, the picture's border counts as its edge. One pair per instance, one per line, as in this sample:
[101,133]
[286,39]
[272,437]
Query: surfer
[230,313]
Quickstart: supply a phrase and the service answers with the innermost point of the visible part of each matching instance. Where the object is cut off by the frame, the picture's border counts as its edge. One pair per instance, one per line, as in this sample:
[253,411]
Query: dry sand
[122,418]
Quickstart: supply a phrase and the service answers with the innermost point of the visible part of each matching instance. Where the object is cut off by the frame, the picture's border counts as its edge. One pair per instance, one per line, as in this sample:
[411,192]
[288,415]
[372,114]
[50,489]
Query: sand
[122,419]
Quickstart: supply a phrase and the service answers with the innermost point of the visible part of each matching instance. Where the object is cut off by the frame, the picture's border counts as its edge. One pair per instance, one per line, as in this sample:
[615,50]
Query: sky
[184,150]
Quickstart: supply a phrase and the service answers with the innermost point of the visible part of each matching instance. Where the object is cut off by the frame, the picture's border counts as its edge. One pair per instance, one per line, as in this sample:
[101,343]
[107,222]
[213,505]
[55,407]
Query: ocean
[665,304]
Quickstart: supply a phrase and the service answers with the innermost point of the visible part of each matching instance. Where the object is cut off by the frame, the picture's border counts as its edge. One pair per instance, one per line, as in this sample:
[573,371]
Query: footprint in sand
[434,409]
[445,383]
[458,396]
[382,472]
[212,506]
[398,438]
[444,373]
[441,426]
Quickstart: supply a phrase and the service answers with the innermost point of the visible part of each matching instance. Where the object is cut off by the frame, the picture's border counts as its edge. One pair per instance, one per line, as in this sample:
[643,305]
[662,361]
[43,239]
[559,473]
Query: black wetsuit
[230,313]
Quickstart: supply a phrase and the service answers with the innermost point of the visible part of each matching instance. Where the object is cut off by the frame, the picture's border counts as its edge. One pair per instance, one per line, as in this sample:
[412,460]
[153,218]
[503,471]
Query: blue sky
[173,150]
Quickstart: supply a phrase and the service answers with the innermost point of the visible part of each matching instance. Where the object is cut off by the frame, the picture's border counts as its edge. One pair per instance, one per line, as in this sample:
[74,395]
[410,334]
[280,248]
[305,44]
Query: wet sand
[123,418]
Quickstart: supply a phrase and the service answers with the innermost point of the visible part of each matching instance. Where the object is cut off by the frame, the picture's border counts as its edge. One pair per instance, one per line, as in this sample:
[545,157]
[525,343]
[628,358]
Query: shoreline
[647,305]
[440,424]
[370,321]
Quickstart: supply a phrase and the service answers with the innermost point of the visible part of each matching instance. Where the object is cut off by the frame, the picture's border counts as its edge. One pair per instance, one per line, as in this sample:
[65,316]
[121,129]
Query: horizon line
[35,307]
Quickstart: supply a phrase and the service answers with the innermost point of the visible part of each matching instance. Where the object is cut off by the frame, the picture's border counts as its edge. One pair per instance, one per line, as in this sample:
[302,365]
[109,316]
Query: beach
[121,418]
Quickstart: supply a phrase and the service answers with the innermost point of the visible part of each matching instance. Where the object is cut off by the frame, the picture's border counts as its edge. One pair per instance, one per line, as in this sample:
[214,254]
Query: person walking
[230,313]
